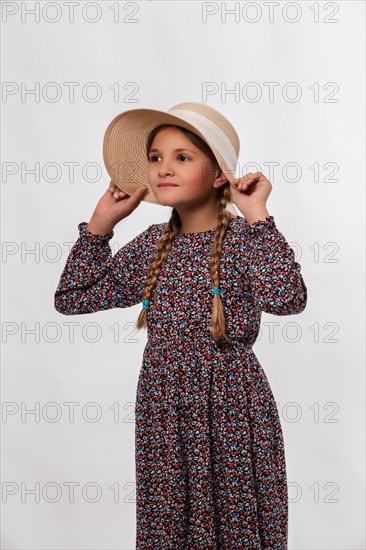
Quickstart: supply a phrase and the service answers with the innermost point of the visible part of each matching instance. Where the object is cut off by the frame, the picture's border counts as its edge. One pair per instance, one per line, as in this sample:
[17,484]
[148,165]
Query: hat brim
[124,148]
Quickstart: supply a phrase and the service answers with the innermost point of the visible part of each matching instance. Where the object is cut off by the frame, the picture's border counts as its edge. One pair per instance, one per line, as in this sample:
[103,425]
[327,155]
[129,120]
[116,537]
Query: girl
[210,460]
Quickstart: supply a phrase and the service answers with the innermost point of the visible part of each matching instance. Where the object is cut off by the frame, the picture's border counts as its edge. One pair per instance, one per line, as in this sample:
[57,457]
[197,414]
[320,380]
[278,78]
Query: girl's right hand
[112,207]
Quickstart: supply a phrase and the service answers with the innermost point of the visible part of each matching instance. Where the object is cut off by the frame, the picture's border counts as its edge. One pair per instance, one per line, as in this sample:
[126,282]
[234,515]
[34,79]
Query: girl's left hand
[251,191]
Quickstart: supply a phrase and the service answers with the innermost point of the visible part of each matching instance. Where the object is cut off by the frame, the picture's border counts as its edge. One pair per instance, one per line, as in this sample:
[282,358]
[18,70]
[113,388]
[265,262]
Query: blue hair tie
[216,290]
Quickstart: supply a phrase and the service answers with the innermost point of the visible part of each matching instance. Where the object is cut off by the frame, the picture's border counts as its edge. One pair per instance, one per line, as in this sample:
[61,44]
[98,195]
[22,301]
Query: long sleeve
[273,275]
[94,280]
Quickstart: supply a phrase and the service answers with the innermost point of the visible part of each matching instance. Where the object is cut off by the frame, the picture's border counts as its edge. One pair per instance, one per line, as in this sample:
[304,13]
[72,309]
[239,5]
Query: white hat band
[209,129]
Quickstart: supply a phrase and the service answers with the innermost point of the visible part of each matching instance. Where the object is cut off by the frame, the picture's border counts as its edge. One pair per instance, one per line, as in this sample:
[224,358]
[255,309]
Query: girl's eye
[153,157]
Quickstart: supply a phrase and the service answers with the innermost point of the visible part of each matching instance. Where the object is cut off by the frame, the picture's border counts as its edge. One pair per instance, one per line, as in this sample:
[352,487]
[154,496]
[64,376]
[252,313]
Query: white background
[315,362]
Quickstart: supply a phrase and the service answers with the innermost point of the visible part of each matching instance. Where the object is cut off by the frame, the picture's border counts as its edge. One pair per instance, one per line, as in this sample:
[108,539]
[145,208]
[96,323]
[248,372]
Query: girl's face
[175,160]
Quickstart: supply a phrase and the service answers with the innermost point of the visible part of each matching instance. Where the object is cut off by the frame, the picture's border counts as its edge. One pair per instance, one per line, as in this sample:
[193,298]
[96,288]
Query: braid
[172,229]
[164,246]
[218,319]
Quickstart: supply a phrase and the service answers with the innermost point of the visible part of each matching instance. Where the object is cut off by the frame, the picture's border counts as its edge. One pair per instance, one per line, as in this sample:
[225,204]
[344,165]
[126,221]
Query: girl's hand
[112,207]
[251,192]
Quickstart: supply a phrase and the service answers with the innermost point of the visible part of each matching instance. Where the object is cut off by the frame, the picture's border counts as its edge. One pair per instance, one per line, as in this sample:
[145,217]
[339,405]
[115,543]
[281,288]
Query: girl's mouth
[167,185]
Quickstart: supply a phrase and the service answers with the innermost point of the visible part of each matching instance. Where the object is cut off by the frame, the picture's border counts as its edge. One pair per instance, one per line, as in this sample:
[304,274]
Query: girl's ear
[220,180]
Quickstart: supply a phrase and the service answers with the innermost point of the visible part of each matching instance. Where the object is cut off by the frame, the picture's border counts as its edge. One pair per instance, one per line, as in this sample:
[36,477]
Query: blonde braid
[218,318]
[164,246]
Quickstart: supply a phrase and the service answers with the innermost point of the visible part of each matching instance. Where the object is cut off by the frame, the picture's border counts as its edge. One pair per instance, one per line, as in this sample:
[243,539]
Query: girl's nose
[165,169]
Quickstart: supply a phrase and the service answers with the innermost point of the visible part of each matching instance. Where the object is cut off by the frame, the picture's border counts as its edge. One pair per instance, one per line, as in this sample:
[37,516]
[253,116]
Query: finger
[251,175]
[249,179]
[244,181]
[244,186]
[134,200]
[236,183]
[118,194]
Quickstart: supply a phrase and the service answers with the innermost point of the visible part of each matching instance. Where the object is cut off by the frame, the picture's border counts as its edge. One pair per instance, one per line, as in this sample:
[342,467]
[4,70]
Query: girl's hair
[172,229]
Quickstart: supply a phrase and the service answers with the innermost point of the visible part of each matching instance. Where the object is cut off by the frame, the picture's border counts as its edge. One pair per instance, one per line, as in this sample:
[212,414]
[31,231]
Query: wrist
[99,227]
[255,213]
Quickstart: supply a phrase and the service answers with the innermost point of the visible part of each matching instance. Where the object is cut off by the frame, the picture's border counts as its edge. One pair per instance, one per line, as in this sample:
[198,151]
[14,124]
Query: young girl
[210,460]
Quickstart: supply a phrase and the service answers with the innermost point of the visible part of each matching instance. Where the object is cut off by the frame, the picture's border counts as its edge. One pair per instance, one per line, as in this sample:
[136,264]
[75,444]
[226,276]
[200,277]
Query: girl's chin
[166,202]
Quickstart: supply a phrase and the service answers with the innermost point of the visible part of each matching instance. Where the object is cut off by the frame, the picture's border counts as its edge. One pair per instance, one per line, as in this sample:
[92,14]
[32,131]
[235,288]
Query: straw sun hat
[124,144]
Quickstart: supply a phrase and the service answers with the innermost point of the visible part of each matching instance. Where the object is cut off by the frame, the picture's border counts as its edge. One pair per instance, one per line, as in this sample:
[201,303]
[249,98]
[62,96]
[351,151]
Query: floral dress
[210,459]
